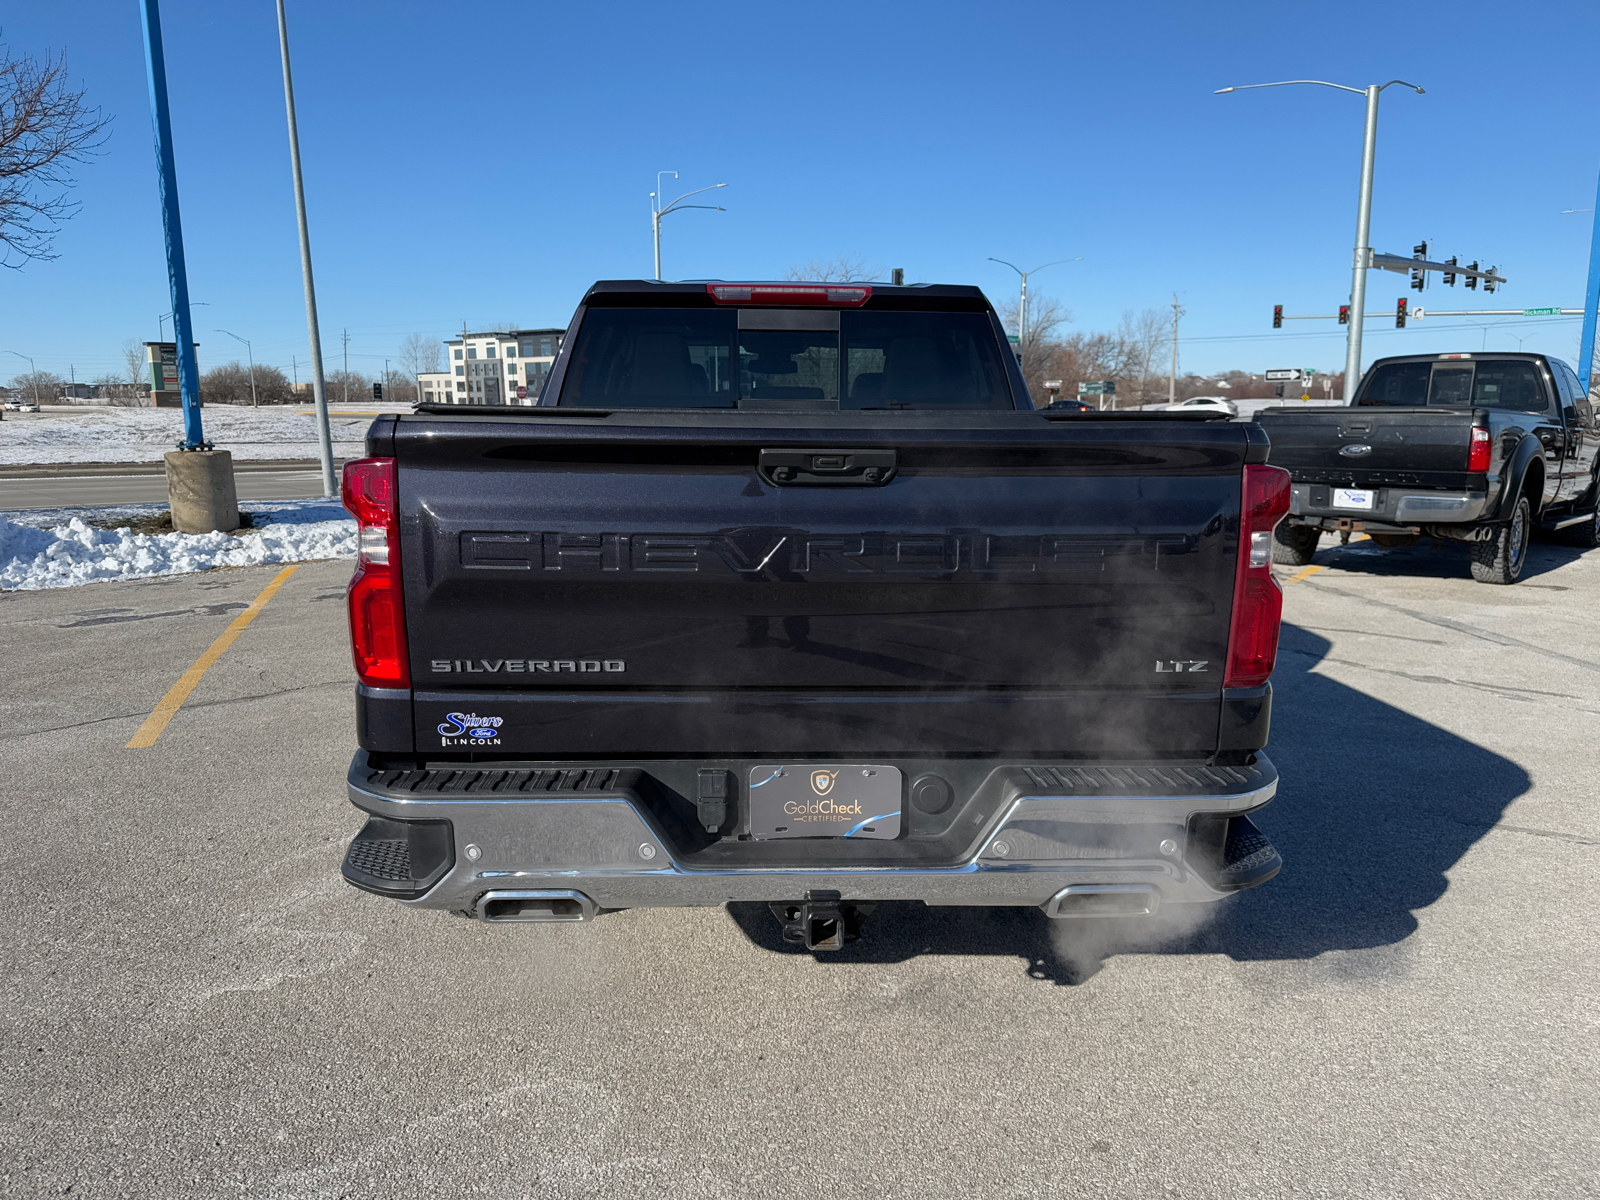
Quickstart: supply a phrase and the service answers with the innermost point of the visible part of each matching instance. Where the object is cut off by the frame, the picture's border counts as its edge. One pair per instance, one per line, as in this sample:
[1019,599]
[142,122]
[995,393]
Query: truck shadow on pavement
[1433,560]
[1375,805]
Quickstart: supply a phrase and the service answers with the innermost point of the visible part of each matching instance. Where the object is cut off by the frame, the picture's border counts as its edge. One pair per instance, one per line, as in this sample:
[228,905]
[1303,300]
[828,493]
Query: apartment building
[493,368]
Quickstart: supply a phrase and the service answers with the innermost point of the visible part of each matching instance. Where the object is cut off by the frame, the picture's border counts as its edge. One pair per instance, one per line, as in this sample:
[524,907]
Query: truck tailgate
[638,586]
[1404,446]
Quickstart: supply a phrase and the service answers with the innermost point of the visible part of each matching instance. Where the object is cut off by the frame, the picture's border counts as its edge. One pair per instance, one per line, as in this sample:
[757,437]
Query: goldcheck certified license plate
[854,800]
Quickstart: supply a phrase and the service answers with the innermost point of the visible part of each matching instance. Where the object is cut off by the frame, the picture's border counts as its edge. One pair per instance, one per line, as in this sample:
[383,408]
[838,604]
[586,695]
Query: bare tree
[45,127]
[399,388]
[230,384]
[135,361]
[1147,336]
[41,384]
[419,353]
[842,269]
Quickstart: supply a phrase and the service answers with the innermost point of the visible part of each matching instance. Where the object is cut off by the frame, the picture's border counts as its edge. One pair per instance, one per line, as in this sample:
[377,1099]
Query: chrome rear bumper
[1028,835]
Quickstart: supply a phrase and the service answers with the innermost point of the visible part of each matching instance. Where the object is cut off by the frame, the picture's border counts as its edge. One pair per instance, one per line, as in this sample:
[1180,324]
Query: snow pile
[145,434]
[74,552]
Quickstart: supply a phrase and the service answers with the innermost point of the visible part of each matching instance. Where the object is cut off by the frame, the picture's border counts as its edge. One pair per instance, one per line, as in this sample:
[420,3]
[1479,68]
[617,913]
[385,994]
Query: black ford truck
[1476,448]
[786,593]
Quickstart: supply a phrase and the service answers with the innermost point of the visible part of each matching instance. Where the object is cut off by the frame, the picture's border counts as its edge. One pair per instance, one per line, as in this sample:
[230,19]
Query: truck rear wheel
[1499,559]
[1293,545]
[1585,536]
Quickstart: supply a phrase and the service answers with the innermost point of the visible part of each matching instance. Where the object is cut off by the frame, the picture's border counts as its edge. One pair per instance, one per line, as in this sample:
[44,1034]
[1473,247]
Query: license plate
[1352,497]
[854,800]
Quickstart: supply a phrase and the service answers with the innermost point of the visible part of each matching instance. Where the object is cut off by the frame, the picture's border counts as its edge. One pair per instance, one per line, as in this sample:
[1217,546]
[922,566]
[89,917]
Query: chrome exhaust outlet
[505,907]
[1103,900]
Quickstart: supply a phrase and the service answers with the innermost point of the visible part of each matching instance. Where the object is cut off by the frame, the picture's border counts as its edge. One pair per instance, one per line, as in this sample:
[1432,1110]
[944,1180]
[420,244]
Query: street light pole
[1022,303]
[1363,249]
[658,210]
[33,371]
[319,394]
[250,354]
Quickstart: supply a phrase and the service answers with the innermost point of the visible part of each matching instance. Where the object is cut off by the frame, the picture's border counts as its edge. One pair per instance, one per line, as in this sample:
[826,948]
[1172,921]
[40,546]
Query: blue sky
[485,161]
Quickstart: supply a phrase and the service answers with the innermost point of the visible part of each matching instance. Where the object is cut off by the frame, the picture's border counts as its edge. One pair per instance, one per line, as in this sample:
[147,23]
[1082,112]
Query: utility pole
[319,393]
[347,366]
[294,365]
[1172,380]
[1363,248]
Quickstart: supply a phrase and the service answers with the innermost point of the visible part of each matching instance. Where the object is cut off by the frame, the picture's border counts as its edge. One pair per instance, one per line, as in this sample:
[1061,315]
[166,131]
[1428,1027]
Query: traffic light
[1400,313]
[1450,276]
[377,391]
[1344,314]
[1472,280]
[1488,284]
[1277,316]
[1419,277]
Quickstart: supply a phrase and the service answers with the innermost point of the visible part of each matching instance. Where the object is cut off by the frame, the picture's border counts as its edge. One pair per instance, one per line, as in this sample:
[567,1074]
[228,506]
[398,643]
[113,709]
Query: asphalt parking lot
[195,1004]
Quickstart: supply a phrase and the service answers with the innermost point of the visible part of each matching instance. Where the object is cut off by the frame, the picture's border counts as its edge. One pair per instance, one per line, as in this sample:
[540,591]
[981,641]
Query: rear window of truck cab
[1486,383]
[716,358]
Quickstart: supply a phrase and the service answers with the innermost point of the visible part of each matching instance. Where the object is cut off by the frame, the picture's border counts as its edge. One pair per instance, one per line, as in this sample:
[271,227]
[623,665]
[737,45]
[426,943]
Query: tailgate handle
[828,467]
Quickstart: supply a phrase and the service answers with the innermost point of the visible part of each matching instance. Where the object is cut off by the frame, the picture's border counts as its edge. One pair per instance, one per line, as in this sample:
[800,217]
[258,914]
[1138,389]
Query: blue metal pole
[1591,301]
[182,330]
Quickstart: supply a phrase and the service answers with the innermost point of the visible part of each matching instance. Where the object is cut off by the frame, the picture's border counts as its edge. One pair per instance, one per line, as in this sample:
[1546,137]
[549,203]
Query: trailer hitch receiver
[822,921]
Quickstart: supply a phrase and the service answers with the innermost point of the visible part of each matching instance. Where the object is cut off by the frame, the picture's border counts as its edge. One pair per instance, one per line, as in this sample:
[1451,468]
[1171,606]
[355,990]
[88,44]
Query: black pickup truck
[786,593]
[1476,448]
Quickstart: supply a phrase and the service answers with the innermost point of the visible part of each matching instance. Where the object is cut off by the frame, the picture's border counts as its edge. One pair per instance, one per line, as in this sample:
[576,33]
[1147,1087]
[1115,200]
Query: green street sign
[1013,339]
[1541,312]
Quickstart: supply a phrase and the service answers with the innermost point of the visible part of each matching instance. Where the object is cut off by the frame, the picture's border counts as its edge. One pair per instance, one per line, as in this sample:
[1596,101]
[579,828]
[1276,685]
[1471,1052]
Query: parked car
[786,593]
[1217,404]
[1481,449]
[13,406]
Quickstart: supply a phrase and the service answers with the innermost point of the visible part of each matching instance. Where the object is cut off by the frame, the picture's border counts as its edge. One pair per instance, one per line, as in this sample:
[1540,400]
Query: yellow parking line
[156,722]
[1310,571]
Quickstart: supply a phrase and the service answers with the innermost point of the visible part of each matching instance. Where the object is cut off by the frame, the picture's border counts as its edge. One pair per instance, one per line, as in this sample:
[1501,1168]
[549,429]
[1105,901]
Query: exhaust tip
[543,905]
[1103,900]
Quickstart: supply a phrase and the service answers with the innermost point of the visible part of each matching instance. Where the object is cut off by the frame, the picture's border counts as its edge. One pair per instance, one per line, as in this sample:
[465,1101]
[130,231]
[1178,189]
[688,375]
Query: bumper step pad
[402,859]
[1248,858]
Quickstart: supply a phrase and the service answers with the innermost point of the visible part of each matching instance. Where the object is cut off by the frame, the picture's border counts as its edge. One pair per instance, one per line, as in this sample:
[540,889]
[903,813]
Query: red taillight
[1478,456]
[1257,602]
[377,616]
[852,295]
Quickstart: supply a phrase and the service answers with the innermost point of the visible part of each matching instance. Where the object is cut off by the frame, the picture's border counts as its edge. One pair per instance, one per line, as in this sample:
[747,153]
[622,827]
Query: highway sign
[1104,387]
[1283,374]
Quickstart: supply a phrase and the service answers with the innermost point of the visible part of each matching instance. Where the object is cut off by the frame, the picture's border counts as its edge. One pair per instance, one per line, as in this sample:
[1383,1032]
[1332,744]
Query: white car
[27,408]
[1217,404]
[13,405]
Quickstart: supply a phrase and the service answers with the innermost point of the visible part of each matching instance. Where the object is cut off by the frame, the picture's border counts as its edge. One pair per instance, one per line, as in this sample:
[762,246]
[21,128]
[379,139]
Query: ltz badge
[849,800]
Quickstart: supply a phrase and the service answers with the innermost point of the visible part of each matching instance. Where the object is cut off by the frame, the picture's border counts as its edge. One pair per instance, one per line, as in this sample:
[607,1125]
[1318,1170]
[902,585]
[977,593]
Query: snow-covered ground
[59,548]
[94,435]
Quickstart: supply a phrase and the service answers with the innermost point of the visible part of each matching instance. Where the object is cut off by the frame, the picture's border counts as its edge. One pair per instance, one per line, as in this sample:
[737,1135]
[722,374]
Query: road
[77,486]
[195,1005]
